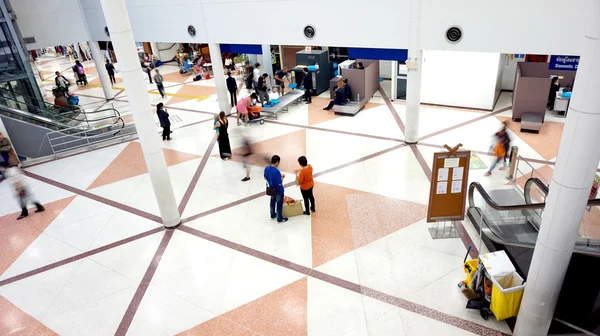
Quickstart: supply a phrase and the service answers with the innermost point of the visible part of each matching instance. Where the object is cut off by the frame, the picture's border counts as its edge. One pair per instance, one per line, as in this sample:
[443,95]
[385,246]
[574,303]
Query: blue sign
[561,62]
[378,54]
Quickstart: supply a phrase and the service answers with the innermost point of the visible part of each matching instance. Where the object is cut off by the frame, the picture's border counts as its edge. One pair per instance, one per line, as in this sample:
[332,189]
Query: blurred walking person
[501,146]
[22,191]
[110,69]
[158,79]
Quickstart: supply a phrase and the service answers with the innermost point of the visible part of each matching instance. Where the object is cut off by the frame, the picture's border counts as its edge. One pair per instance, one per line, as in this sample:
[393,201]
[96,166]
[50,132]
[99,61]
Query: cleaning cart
[493,286]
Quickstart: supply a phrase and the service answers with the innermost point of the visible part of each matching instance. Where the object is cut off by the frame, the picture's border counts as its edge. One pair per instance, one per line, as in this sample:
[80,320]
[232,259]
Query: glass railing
[65,116]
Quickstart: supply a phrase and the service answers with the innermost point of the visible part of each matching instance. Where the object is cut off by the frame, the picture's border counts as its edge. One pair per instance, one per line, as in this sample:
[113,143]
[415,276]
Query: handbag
[271,191]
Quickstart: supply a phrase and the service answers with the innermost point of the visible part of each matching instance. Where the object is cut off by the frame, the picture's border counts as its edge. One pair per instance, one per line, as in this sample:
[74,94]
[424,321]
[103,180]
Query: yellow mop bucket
[507,293]
[470,267]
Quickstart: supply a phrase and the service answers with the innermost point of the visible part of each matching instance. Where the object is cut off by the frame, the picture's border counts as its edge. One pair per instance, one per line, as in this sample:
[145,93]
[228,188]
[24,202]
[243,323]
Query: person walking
[80,73]
[62,84]
[255,76]
[263,95]
[306,182]
[165,123]
[158,79]
[110,69]
[22,192]
[275,180]
[500,144]
[223,139]
[232,88]
[308,85]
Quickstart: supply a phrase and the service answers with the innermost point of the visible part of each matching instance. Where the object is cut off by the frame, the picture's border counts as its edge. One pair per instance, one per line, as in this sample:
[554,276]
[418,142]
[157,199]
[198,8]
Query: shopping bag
[292,208]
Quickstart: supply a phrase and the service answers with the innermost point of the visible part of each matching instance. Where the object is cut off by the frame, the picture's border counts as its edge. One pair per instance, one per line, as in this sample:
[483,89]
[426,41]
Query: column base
[173,227]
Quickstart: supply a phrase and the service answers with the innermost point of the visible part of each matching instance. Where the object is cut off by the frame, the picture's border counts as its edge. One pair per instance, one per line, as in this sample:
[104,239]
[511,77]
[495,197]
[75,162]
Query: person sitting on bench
[340,97]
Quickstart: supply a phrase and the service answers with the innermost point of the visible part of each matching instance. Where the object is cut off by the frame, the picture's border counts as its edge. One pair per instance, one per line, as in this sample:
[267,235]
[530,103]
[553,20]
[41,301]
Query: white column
[253,59]
[267,66]
[413,86]
[102,74]
[572,179]
[117,19]
[155,50]
[394,86]
[219,74]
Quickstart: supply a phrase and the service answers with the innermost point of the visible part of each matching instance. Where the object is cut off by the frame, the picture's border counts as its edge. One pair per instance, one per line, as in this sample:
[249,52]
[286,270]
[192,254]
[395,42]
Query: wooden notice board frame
[448,204]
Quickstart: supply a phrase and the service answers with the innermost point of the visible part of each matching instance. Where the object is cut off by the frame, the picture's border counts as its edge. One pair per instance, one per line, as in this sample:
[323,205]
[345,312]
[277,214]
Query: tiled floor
[98,262]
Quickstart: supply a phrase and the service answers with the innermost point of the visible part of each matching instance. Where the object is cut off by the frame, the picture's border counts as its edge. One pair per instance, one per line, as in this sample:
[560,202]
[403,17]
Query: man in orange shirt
[305,179]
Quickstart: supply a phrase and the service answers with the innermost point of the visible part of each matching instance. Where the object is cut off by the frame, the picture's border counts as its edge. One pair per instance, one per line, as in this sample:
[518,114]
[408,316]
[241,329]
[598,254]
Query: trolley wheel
[262,122]
[485,313]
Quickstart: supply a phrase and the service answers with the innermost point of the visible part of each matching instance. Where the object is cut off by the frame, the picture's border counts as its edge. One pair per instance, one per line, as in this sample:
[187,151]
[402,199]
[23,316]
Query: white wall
[509,70]
[504,26]
[457,78]
[385,69]
[507,26]
[51,22]
[167,51]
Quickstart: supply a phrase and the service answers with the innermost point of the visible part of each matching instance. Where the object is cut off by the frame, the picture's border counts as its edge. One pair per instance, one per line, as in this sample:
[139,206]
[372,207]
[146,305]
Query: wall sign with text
[561,62]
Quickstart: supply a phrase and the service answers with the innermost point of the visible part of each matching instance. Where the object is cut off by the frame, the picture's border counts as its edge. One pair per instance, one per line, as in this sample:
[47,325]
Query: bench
[284,102]
[531,122]
[350,108]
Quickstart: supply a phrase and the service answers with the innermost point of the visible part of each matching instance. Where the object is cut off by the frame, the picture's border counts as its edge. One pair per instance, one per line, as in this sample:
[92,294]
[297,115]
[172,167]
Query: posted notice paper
[441,188]
[456,187]
[443,174]
[457,173]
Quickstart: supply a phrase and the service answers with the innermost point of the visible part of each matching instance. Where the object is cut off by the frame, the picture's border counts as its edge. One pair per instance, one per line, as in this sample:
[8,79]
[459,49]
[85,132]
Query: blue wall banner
[378,54]
[561,62]
[255,49]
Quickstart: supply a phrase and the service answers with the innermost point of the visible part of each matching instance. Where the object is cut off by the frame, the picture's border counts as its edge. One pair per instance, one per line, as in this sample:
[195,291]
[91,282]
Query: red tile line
[468,122]
[80,256]
[95,197]
[374,294]
[196,177]
[143,286]
[392,110]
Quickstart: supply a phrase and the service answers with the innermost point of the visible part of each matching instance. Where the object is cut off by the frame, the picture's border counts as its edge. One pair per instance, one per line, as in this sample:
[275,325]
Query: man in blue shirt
[275,180]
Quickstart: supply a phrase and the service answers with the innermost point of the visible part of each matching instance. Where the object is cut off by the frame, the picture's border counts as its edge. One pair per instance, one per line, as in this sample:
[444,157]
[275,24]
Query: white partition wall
[462,79]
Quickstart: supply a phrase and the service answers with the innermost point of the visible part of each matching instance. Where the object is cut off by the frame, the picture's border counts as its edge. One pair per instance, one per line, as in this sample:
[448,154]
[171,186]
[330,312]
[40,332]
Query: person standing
[263,95]
[165,123]
[255,76]
[62,84]
[22,192]
[110,69]
[232,88]
[280,79]
[158,79]
[275,180]
[305,179]
[308,85]
[223,139]
[554,88]
[80,72]
[249,80]
[273,60]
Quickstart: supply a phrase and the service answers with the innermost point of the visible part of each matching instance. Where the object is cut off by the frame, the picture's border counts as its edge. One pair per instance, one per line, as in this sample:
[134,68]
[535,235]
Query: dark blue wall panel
[378,54]
[242,48]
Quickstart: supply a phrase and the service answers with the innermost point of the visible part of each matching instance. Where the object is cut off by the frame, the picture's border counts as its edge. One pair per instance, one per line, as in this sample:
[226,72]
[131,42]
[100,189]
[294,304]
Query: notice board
[448,192]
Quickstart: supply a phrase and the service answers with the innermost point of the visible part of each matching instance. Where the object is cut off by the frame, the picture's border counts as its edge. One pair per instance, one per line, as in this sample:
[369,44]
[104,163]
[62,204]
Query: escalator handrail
[527,189]
[50,107]
[496,206]
[486,197]
[56,114]
[52,121]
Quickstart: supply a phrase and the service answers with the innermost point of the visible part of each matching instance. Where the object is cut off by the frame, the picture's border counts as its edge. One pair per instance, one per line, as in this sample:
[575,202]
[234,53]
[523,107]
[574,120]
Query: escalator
[509,219]
[38,128]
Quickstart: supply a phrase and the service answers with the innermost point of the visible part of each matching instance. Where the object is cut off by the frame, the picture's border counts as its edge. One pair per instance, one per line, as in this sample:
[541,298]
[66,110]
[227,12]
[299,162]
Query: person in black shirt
[165,123]
[554,87]
[262,87]
[280,78]
[249,76]
[308,85]
[232,88]
[110,69]
[334,58]
[360,66]
[340,97]
[348,90]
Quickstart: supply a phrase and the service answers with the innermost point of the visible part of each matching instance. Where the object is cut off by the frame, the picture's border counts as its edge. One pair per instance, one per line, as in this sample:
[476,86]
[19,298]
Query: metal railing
[88,138]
